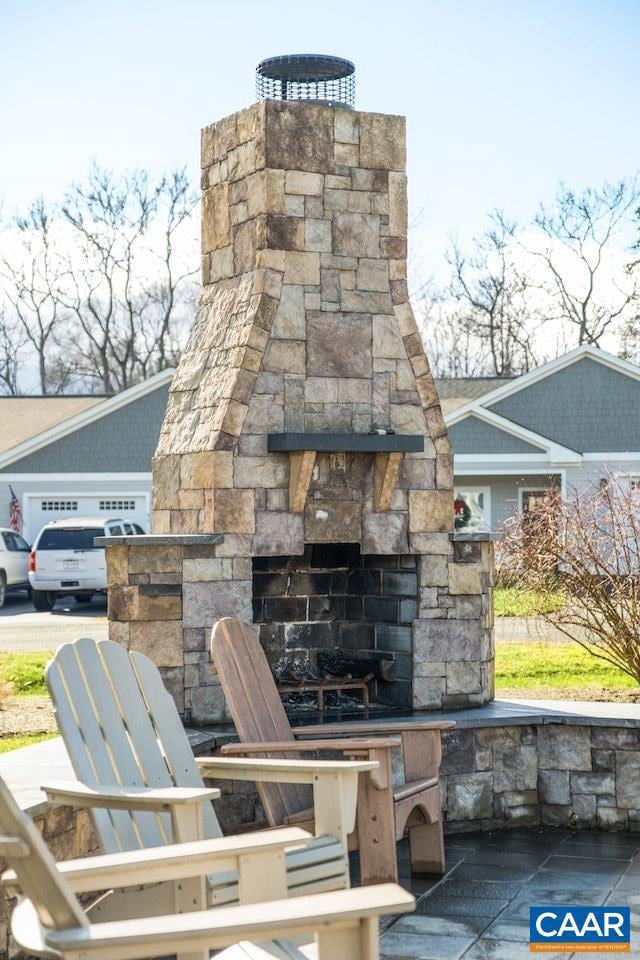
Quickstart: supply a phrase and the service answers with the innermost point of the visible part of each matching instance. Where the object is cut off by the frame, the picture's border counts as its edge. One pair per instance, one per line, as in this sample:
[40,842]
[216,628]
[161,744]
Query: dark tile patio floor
[480,909]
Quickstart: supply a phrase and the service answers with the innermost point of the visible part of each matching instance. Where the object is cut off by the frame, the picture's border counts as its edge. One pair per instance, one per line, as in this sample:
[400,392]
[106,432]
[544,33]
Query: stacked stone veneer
[559,774]
[305,327]
[584,773]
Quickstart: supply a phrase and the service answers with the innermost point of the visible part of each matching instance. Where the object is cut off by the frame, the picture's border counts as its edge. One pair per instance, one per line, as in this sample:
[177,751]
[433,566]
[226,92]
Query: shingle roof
[454,392]
[24,417]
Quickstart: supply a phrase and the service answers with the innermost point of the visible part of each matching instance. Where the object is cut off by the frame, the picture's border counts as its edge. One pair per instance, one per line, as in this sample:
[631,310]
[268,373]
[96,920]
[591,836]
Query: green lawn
[533,669]
[515,602]
[14,741]
[543,667]
[25,672]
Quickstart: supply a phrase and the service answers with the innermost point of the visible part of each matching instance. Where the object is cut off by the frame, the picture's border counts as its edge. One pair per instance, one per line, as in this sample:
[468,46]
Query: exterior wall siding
[505,499]
[587,477]
[121,442]
[472,435]
[587,407]
[66,486]
[504,491]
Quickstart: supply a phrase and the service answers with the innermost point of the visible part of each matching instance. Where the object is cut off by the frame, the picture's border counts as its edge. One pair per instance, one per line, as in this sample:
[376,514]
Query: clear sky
[503,98]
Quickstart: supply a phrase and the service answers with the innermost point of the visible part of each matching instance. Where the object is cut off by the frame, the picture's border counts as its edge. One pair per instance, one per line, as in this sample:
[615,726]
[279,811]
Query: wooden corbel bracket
[386,469]
[302,448]
[301,464]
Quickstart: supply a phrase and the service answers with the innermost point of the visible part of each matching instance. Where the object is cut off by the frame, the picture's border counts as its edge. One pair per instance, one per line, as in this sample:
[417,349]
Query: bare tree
[491,291]
[12,341]
[31,272]
[130,273]
[102,289]
[590,546]
[630,334]
[586,287]
[452,346]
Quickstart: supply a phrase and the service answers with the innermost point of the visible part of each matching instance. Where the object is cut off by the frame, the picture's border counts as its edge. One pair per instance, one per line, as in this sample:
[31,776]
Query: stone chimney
[305,326]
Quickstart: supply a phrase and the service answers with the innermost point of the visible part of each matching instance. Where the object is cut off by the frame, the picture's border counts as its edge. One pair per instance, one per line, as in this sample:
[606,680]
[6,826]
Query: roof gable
[123,441]
[155,387]
[456,392]
[587,405]
[22,418]
[473,435]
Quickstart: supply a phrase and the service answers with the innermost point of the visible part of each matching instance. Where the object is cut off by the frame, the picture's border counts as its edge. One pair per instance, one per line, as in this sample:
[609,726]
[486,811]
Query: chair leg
[376,826]
[426,844]
[358,941]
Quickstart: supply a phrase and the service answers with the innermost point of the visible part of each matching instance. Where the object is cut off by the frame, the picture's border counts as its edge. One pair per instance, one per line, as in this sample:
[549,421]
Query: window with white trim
[472,508]
[50,506]
[627,483]
[117,504]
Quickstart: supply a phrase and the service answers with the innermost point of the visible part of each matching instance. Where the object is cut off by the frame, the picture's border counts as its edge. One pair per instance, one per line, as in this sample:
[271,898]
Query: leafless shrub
[590,545]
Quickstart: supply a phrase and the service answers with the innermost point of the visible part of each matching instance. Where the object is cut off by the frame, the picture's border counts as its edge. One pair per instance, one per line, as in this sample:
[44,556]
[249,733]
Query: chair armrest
[357,745]
[151,799]
[335,915]
[421,741]
[267,770]
[176,861]
[184,804]
[335,784]
[371,729]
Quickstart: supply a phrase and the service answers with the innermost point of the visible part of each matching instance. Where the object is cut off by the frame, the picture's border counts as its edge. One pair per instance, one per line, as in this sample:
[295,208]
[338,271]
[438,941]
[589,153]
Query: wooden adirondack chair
[383,812]
[138,776]
[49,921]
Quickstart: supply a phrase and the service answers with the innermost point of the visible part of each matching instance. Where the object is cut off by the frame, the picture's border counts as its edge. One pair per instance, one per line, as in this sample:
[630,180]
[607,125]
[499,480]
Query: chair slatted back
[121,727]
[26,853]
[256,709]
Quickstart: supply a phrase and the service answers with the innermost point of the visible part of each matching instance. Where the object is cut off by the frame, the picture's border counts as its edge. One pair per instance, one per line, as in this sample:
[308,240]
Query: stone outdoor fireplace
[303,476]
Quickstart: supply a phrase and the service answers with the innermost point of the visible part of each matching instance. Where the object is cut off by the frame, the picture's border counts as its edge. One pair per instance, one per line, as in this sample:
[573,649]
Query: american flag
[15,513]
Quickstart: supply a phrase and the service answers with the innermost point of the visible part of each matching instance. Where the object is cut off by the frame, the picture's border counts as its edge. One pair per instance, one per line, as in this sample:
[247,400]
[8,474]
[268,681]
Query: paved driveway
[23,628]
[527,630]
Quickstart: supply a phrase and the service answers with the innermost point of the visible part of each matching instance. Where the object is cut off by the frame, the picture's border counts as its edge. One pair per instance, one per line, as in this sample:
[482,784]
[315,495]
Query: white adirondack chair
[138,776]
[49,922]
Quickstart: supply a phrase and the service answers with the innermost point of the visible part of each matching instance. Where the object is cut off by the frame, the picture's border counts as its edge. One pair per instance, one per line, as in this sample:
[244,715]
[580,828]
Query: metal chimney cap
[307,76]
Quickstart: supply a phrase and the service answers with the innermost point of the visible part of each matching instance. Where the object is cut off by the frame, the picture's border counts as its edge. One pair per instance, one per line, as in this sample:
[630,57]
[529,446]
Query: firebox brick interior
[303,427]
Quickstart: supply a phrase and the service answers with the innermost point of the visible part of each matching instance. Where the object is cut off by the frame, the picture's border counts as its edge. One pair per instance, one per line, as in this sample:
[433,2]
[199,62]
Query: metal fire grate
[307,76]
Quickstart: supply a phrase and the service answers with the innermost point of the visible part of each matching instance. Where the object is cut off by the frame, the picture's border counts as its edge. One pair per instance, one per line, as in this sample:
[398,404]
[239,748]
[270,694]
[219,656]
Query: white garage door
[40,509]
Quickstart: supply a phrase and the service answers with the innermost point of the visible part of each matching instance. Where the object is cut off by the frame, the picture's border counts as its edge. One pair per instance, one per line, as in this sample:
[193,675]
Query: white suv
[14,562]
[65,561]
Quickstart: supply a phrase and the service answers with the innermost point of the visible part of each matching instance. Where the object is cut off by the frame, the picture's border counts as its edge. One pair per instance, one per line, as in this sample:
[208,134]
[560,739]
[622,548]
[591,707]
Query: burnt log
[339,664]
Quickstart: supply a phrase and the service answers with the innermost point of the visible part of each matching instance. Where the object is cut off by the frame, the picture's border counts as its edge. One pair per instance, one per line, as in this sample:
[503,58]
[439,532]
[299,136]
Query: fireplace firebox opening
[334,612]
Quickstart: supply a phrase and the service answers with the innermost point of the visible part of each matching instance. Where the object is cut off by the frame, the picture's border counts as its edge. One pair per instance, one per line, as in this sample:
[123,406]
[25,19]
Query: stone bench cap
[479,537]
[161,540]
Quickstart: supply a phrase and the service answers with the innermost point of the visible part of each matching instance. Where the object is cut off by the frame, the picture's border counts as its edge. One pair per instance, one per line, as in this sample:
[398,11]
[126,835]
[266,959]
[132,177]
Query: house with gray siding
[566,425]
[569,425]
[82,456]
